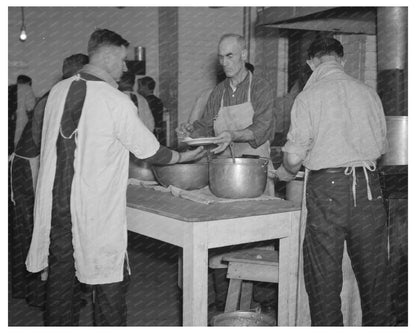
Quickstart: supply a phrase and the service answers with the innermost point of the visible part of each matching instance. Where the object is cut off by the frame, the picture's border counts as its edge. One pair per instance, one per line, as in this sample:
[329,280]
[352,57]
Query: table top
[166,204]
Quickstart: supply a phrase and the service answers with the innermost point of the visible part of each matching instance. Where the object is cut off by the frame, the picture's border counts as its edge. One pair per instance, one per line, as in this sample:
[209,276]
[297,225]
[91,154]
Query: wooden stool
[245,267]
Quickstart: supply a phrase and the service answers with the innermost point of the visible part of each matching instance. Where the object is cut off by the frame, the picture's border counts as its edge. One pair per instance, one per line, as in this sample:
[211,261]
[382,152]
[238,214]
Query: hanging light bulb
[23,34]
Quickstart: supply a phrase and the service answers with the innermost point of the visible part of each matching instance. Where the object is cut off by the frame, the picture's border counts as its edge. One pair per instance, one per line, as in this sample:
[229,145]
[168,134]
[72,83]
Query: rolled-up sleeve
[205,125]
[263,120]
[299,137]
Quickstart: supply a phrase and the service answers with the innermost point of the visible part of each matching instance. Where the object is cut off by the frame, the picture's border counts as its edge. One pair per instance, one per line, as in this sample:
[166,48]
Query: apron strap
[249,92]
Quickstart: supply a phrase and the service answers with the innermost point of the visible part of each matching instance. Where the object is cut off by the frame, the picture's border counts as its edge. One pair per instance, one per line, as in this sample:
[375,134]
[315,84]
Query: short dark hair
[126,81]
[24,79]
[73,64]
[325,46]
[148,82]
[104,37]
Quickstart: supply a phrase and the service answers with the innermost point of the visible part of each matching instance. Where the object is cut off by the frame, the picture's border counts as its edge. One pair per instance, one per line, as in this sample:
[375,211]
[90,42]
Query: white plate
[200,141]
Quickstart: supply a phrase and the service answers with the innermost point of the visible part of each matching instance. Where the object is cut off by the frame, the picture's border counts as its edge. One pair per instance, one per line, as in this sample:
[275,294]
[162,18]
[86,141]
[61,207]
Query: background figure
[125,85]
[146,87]
[24,166]
[25,103]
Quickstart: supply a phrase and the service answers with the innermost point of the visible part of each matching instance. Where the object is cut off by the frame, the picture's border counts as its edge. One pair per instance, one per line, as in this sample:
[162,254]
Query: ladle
[232,152]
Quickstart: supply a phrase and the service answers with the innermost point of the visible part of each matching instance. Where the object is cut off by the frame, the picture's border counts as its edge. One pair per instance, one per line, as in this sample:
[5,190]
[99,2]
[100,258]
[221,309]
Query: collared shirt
[143,109]
[108,129]
[336,121]
[262,99]
[156,106]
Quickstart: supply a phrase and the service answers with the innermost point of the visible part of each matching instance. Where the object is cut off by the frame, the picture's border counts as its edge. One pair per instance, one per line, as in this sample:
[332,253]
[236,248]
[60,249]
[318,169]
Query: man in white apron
[240,108]
[239,111]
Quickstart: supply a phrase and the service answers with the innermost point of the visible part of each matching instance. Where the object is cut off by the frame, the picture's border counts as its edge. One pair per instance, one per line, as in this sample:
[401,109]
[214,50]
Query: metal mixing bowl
[140,169]
[187,176]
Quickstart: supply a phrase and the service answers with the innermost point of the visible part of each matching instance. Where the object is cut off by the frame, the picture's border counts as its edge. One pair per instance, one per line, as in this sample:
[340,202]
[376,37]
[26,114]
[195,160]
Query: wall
[200,29]
[57,32]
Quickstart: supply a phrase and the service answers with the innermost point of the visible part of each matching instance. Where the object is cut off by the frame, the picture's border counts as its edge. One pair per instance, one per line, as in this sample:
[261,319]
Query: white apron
[238,117]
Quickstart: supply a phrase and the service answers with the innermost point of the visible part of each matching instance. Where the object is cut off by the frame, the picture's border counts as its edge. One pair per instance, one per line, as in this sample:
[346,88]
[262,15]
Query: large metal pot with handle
[238,178]
[397,139]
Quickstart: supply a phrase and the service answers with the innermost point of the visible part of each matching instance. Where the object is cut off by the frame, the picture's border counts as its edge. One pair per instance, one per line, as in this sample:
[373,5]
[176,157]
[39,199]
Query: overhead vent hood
[352,20]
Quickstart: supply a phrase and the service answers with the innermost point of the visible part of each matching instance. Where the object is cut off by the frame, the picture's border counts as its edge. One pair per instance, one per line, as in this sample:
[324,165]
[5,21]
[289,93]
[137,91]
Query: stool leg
[246,294]
[233,295]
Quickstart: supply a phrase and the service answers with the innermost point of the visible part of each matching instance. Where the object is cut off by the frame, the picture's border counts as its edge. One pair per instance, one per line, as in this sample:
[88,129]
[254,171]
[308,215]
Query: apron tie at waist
[366,165]
[11,160]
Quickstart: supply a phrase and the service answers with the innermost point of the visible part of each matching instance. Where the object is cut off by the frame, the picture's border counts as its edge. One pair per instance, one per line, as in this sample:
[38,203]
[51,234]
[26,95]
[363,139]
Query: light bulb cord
[23,34]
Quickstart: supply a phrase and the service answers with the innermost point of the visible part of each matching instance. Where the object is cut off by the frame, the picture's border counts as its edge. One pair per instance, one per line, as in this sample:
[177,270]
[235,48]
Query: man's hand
[282,174]
[192,155]
[223,141]
[184,130]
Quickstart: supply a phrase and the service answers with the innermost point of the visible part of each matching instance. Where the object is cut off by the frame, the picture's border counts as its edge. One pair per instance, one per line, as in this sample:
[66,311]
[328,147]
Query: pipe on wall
[392,59]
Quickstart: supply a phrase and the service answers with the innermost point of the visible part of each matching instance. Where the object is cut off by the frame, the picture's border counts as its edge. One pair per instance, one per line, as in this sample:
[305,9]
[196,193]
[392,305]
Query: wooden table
[198,227]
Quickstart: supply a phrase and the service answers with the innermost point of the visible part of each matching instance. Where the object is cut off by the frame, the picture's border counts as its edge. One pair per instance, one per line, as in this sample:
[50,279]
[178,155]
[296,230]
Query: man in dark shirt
[146,87]
[24,170]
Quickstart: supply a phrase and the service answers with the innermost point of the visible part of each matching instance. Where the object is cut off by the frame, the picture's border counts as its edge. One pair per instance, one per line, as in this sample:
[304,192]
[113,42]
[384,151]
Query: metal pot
[187,176]
[243,318]
[140,169]
[397,139]
[244,178]
[294,188]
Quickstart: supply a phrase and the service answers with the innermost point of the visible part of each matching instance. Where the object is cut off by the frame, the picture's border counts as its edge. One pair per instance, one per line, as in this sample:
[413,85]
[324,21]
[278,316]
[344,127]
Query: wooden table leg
[195,275]
[288,273]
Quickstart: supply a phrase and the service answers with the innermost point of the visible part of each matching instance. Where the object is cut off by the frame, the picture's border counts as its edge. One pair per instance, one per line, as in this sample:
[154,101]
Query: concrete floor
[153,298]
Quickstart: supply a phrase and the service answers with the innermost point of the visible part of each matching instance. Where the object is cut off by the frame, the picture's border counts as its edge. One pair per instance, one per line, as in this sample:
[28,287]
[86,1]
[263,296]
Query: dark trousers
[24,284]
[63,298]
[64,294]
[333,219]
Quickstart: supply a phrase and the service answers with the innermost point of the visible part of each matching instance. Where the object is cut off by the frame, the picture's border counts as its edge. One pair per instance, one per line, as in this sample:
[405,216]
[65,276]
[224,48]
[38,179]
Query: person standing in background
[145,87]
[125,85]
[25,103]
[24,170]
[338,131]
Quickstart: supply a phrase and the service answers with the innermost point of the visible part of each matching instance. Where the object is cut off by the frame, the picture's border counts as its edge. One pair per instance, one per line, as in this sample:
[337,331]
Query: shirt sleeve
[145,113]
[132,132]
[29,99]
[263,120]
[299,137]
[205,125]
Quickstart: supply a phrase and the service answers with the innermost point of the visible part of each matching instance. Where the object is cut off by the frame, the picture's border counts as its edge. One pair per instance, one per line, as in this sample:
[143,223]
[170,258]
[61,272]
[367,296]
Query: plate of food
[200,141]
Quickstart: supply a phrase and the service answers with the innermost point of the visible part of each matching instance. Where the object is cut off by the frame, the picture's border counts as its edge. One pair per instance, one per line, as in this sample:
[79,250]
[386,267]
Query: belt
[334,170]
[352,170]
